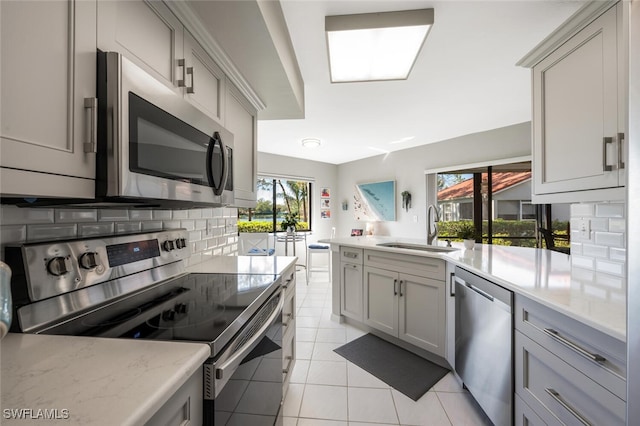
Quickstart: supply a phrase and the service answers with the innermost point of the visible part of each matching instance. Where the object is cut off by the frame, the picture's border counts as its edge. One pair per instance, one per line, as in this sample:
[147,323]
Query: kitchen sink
[422,247]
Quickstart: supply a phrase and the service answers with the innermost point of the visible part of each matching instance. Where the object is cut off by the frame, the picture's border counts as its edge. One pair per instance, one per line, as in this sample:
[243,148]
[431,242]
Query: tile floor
[328,390]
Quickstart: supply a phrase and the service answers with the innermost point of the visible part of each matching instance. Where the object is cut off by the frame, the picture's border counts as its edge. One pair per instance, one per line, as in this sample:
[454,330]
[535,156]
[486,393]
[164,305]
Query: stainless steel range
[135,286]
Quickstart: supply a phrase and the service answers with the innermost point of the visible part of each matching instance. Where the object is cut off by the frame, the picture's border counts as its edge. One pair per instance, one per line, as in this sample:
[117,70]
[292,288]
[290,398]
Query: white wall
[323,175]
[407,168]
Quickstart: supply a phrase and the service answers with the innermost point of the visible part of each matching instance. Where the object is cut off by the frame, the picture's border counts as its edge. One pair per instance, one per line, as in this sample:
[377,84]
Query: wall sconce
[345,205]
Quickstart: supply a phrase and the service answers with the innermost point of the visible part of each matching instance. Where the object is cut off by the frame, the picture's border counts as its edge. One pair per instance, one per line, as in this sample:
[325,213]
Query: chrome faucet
[431,236]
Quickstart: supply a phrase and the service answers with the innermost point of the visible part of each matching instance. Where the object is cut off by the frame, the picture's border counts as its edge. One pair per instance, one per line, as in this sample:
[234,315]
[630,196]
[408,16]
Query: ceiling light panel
[375,46]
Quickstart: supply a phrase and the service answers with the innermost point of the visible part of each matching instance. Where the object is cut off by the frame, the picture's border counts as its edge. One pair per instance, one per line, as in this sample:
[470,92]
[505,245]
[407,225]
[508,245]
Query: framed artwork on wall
[375,201]
[325,193]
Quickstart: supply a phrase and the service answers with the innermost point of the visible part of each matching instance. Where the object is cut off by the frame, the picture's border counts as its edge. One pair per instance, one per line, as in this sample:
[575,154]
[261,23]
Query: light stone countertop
[244,265]
[99,381]
[545,276]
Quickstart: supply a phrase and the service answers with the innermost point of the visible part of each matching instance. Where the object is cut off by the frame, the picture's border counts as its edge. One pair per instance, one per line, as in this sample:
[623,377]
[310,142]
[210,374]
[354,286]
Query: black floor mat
[404,371]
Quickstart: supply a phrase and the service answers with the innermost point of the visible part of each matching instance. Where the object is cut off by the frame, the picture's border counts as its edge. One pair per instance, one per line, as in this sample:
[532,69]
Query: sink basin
[422,247]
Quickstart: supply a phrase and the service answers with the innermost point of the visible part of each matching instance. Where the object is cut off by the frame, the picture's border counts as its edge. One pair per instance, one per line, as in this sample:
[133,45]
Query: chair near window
[321,249]
[255,244]
[550,242]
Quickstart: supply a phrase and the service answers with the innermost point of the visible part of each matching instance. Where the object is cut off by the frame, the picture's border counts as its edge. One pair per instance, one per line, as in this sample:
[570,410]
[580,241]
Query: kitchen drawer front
[559,393]
[351,255]
[289,282]
[427,267]
[524,415]
[567,338]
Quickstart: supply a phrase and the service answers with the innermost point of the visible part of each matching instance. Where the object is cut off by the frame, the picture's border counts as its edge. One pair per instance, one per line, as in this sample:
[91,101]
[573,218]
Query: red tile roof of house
[501,181]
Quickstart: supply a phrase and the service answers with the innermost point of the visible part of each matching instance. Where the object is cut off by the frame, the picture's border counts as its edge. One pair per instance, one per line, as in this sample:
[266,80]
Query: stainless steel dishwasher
[484,344]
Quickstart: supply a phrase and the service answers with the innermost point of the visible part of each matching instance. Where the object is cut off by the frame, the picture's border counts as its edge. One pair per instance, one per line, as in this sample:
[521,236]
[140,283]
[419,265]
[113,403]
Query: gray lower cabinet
[565,371]
[407,306]
[288,327]
[524,415]
[184,407]
[351,290]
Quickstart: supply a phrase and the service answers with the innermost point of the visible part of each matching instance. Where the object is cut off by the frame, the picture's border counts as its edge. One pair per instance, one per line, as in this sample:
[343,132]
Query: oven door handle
[227,369]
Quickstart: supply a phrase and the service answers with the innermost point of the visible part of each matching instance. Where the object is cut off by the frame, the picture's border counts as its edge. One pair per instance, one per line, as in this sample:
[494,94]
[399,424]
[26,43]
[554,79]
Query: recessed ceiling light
[375,46]
[311,143]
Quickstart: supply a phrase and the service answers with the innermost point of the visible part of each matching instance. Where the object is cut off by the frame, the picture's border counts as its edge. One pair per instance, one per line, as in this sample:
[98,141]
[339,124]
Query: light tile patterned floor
[328,390]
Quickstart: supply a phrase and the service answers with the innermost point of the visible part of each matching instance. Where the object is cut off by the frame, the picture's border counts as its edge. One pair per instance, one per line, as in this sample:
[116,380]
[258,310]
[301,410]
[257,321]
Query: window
[277,198]
[497,199]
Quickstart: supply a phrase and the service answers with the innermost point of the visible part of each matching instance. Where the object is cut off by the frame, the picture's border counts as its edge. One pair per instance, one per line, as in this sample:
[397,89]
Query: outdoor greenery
[265,226]
[504,231]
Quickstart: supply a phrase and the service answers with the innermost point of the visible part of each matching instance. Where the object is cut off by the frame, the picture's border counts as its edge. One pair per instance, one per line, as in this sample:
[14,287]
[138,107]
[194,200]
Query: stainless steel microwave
[154,147]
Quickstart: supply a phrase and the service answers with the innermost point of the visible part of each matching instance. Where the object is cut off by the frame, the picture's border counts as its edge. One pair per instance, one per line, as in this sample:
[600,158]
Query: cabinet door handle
[401,281]
[190,89]
[395,292]
[91,146]
[181,64]
[555,395]
[620,150]
[452,281]
[606,141]
[585,353]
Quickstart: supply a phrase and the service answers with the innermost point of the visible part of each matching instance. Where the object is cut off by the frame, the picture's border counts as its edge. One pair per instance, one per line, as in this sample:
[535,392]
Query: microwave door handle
[217,190]
[225,165]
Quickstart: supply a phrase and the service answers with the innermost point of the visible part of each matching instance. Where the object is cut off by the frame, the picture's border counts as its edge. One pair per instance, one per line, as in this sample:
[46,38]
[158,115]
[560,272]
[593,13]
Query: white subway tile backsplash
[583,262]
[152,225]
[113,215]
[618,254]
[595,251]
[51,232]
[576,248]
[99,228]
[10,234]
[611,239]
[128,227]
[610,210]
[140,214]
[617,225]
[582,209]
[161,214]
[599,224]
[12,215]
[75,216]
[212,231]
[614,268]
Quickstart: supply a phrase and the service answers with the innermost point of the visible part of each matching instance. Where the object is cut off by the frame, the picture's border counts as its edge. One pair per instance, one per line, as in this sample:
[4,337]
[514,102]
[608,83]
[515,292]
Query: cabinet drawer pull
[181,64]
[401,281]
[286,324]
[585,353]
[395,291]
[190,89]
[555,395]
[286,370]
[91,146]
[620,150]
[350,255]
[606,141]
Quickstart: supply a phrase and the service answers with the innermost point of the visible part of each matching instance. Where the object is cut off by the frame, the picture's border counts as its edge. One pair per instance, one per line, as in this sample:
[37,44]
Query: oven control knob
[58,266]
[168,245]
[169,315]
[181,243]
[89,260]
[181,308]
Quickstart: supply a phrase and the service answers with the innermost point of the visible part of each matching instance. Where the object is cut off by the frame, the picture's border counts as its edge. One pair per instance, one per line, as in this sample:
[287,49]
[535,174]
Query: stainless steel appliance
[153,145]
[135,286]
[484,344]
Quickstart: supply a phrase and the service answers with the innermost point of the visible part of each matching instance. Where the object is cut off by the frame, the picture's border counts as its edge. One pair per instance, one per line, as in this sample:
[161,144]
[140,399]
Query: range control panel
[58,267]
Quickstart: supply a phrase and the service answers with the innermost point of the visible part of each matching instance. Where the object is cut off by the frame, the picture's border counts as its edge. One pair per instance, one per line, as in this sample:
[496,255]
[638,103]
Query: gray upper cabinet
[240,119]
[578,109]
[48,98]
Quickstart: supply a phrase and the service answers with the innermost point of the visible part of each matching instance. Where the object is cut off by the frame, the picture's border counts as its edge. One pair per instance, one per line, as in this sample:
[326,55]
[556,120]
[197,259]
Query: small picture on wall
[325,214]
[325,203]
[325,192]
[356,232]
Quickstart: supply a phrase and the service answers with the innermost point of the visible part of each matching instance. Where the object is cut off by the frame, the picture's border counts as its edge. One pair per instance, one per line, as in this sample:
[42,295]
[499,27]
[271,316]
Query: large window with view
[281,203]
[497,201]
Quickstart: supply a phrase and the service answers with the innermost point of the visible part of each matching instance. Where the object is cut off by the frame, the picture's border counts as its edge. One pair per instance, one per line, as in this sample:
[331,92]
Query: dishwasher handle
[480,292]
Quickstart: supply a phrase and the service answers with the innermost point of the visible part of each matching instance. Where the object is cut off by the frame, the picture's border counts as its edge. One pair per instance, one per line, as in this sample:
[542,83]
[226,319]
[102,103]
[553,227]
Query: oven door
[244,384]
[156,145]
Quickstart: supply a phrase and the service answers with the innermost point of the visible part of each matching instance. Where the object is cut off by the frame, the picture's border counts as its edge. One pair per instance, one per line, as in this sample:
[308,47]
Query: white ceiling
[464,81]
